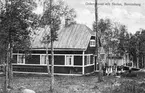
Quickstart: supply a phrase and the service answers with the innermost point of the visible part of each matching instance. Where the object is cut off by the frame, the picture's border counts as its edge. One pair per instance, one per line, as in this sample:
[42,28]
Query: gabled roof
[101,50]
[75,36]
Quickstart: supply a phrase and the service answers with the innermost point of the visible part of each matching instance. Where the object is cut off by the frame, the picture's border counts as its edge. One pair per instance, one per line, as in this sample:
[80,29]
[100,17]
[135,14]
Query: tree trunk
[52,52]
[97,42]
[137,63]
[10,71]
[47,60]
[52,68]
[6,82]
[143,61]
[100,79]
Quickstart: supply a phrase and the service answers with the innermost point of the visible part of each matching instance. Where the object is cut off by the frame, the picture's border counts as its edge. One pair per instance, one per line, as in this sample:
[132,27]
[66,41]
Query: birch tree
[16,17]
[53,13]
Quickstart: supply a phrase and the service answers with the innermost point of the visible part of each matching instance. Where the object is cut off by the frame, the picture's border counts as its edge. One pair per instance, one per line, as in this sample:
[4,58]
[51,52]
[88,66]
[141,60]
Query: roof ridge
[90,31]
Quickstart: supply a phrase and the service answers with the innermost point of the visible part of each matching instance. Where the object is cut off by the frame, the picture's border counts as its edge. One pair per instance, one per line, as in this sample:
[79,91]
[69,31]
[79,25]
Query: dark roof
[76,36]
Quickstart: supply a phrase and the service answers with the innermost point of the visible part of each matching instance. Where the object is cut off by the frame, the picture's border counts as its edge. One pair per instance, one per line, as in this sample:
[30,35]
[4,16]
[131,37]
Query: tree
[117,39]
[114,37]
[16,18]
[136,47]
[97,42]
[102,29]
[105,28]
[123,38]
[105,32]
[52,18]
[141,48]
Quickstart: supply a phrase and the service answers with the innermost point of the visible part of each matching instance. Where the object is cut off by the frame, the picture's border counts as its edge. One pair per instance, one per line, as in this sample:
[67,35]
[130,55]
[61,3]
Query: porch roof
[76,36]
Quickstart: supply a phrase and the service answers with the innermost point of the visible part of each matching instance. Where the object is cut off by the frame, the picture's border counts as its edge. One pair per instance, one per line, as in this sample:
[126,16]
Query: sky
[128,12]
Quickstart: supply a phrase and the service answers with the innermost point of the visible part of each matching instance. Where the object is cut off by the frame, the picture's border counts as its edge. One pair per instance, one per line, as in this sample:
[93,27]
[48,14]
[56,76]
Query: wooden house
[73,53]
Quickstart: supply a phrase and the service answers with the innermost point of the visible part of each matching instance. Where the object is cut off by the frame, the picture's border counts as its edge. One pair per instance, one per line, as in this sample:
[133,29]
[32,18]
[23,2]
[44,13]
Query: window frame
[92,43]
[45,60]
[72,60]
[22,59]
[88,59]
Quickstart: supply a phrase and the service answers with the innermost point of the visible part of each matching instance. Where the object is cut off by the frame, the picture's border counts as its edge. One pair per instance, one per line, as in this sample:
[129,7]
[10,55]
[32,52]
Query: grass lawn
[63,84]
[72,84]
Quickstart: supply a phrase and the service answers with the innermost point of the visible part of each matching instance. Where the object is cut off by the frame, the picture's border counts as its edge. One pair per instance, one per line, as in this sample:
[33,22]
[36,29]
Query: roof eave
[62,49]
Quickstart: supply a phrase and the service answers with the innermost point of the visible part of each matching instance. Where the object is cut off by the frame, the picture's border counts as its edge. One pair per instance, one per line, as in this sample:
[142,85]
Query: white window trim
[18,59]
[88,60]
[72,60]
[41,63]
[41,60]
[92,43]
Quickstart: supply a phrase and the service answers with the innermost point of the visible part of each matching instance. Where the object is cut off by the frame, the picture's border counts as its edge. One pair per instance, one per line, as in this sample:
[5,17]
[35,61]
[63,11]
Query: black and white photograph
[72,46]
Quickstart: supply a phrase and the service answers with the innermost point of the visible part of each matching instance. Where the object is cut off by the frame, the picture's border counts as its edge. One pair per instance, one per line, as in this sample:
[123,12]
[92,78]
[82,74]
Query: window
[33,59]
[14,59]
[69,60]
[21,59]
[92,59]
[43,59]
[77,60]
[88,60]
[92,43]
[59,60]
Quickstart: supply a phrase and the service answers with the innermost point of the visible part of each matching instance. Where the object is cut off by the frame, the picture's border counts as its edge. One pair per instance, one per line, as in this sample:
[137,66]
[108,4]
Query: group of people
[110,70]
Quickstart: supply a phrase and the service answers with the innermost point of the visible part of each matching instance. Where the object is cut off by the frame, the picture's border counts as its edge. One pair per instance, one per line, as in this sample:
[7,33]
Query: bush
[127,74]
[130,87]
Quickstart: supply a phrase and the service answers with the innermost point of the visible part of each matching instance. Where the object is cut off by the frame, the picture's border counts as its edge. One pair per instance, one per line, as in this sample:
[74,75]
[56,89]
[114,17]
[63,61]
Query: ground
[80,84]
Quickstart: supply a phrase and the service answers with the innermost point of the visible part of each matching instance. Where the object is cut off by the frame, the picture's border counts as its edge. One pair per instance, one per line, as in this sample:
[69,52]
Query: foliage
[54,17]
[16,19]
[130,87]
[114,36]
[123,40]
[136,46]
